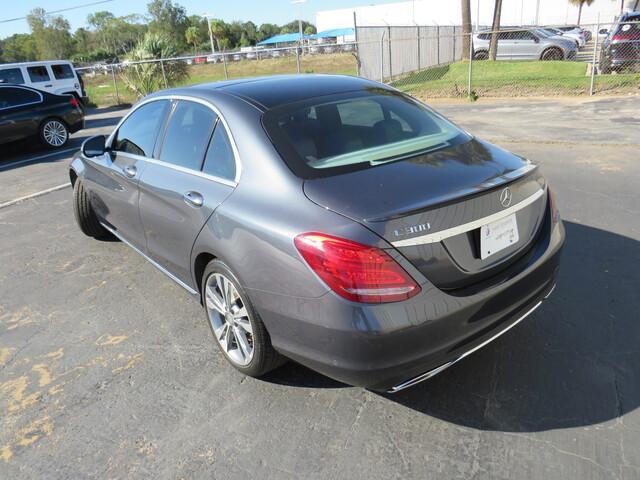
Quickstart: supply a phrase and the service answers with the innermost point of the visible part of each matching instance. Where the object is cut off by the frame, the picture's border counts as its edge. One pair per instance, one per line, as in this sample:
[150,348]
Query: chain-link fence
[427,61]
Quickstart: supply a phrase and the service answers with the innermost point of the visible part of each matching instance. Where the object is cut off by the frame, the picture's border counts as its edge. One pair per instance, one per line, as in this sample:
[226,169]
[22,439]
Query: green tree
[115,36]
[220,32]
[20,47]
[168,19]
[580,4]
[193,37]
[51,34]
[267,30]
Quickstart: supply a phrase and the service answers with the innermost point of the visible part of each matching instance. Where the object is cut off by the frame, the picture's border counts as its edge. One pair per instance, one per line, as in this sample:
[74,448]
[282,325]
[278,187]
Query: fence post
[418,40]
[115,85]
[438,44]
[390,66]
[164,75]
[355,30]
[470,65]
[224,65]
[298,57]
[382,57]
[593,62]
[453,57]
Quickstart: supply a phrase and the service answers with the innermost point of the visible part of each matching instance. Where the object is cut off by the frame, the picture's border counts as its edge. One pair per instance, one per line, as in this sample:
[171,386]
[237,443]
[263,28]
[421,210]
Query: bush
[145,78]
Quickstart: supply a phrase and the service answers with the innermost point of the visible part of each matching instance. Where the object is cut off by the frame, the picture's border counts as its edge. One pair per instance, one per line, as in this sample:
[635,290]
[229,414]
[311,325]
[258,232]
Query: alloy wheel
[229,319]
[54,133]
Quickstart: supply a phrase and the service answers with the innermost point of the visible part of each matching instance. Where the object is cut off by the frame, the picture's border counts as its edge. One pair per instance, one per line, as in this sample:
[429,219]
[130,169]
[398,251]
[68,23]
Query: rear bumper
[392,346]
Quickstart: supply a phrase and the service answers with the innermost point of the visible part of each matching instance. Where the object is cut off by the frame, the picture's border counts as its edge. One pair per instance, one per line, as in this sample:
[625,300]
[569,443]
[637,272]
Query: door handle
[193,198]
[48,86]
[130,171]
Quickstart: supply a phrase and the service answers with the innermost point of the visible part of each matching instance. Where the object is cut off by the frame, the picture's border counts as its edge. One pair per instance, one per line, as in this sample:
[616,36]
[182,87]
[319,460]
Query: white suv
[57,77]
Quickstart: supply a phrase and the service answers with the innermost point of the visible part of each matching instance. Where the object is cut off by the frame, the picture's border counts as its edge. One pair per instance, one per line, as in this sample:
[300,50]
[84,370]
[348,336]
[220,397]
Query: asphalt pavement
[108,370]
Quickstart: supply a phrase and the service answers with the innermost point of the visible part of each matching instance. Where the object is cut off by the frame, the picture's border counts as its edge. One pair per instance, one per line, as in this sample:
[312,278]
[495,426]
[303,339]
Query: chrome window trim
[150,260]
[27,89]
[465,227]
[195,173]
[234,147]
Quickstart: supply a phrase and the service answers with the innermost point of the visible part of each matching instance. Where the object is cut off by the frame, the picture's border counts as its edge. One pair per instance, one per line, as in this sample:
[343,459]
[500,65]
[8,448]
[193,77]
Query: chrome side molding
[435,371]
[150,260]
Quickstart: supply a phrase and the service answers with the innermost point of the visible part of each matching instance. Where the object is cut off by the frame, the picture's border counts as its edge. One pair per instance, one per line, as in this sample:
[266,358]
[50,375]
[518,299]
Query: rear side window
[187,135]
[220,161]
[137,135]
[62,71]
[11,75]
[38,74]
[15,97]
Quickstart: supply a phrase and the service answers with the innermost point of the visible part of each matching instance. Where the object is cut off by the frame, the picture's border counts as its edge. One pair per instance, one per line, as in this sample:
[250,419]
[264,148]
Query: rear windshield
[335,134]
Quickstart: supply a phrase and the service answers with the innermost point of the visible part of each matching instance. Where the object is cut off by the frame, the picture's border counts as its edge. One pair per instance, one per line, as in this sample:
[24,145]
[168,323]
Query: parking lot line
[34,195]
[5,166]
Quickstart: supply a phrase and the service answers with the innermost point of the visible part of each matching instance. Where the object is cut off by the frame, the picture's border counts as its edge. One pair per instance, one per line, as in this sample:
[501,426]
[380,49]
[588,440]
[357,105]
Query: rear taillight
[553,206]
[354,271]
[74,102]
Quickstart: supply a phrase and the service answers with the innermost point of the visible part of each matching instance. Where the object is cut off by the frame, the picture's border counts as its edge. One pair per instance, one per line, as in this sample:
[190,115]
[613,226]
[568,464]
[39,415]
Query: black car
[26,112]
[621,48]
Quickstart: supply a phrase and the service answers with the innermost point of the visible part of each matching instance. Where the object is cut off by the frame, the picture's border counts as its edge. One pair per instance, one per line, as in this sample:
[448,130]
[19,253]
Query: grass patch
[102,92]
[506,79]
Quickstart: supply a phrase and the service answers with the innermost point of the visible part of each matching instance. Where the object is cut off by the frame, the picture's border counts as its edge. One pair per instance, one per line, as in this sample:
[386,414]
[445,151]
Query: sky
[258,11]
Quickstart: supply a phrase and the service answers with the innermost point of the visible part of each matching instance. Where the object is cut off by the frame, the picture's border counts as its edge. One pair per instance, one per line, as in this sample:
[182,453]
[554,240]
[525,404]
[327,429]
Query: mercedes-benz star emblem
[505,197]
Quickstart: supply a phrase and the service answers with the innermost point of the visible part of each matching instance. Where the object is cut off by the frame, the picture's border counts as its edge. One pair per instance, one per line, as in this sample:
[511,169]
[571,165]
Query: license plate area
[498,235]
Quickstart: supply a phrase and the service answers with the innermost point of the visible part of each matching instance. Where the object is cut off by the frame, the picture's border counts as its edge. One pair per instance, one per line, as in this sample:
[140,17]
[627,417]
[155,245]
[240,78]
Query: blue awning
[335,32]
[282,38]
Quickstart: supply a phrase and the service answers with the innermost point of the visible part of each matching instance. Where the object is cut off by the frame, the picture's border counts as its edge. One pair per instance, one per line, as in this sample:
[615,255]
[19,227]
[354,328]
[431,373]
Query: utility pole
[538,12]
[299,3]
[208,16]
[300,38]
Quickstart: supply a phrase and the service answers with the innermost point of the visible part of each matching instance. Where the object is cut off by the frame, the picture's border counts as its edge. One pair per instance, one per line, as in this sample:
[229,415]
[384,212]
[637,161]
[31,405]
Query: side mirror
[603,31]
[94,146]
[536,39]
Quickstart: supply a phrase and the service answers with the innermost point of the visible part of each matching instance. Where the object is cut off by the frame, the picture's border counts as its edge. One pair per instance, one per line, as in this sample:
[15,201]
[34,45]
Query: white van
[56,76]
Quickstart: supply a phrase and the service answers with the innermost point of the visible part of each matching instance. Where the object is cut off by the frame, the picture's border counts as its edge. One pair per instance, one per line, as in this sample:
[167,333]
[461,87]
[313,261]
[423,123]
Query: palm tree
[580,4]
[466,28]
[493,45]
[192,36]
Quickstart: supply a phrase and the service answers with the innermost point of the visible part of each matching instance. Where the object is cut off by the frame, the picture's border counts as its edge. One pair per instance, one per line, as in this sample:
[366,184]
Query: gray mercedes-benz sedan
[331,220]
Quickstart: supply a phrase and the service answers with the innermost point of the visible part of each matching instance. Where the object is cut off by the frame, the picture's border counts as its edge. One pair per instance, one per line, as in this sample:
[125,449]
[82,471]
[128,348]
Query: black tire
[551,54]
[481,55]
[605,67]
[53,133]
[264,357]
[85,216]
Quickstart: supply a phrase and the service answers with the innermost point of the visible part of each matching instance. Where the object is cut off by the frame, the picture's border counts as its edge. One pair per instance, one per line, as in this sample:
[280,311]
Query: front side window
[15,97]
[353,131]
[187,135]
[38,74]
[62,71]
[11,75]
[220,161]
[138,133]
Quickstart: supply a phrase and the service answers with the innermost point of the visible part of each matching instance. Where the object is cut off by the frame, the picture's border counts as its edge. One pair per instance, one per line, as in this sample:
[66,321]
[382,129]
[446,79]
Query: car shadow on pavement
[572,363]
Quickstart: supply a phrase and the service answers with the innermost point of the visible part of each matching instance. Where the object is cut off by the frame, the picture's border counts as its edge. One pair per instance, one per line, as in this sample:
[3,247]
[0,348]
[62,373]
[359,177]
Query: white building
[447,12]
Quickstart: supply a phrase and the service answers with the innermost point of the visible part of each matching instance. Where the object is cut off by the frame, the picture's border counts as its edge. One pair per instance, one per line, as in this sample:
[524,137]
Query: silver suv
[525,45]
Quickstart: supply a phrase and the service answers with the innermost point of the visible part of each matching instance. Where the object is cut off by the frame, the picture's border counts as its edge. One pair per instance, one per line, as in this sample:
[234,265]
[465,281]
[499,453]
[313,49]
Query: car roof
[276,90]
[28,64]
